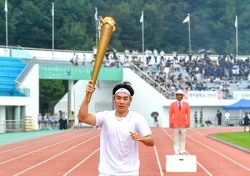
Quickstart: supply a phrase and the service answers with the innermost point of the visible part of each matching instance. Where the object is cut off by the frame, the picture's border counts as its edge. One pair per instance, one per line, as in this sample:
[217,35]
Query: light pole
[52,13]
[6,21]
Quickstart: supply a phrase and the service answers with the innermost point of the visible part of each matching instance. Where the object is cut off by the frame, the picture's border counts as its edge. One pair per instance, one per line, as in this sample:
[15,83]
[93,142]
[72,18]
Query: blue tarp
[241,104]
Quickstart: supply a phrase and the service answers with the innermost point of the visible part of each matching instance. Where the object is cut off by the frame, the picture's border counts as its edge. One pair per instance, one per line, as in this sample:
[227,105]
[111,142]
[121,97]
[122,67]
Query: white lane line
[85,159]
[41,141]
[158,161]
[12,159]
[189,154]
[54,156]
[235,162]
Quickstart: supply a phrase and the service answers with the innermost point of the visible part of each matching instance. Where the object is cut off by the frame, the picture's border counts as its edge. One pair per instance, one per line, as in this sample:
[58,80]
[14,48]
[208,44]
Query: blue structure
[10,68]
[242,104]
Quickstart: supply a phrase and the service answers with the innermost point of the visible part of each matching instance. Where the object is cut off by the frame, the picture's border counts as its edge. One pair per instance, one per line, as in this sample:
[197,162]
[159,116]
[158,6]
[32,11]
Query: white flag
[96,18]
[236,22]
[52,12]
[6,6]
[186,19]
[142,18]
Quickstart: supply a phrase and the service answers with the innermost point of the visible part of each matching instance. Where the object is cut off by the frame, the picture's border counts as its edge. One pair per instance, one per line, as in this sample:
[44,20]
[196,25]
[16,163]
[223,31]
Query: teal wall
[78,73]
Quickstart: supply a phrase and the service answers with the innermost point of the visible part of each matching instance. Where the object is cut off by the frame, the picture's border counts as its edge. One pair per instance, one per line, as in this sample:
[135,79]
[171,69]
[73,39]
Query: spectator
[56,119]
[175,55]
[162,53]
[50,121]
[246,122]
[40,120]
[46,120]
[201,118]
[155,117]
[62,121]
[72,61]
[227,116]
[84,61]
[126,55]
[155,55]
[147,56]
[72,119]
[219,116]
[135,54]
[76,63]
[195,119]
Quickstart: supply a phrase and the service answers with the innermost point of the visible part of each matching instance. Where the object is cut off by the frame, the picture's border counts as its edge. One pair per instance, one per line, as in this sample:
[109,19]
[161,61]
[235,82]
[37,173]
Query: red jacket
[179,117]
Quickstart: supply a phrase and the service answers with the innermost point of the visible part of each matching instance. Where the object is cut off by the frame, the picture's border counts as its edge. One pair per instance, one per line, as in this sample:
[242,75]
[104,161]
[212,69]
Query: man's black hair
[126,85]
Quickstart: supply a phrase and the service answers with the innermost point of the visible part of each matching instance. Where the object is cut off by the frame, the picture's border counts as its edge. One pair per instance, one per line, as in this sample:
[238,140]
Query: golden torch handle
[106,32]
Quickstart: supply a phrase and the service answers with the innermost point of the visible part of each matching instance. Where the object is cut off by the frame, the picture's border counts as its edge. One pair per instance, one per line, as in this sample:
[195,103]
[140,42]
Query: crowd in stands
[194,73]
[166,73]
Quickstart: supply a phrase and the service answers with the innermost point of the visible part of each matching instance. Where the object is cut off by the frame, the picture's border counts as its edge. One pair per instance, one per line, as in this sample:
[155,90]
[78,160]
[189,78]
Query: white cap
[179,92]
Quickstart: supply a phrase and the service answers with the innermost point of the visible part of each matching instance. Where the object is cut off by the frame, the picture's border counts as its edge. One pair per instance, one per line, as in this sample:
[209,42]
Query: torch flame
[110,21]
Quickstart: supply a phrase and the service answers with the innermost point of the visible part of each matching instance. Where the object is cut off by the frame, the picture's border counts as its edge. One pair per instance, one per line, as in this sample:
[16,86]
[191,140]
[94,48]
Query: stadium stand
[10,68]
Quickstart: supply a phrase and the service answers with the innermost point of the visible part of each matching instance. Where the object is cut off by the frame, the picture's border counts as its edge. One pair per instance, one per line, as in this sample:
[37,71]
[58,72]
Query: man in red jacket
[179,120]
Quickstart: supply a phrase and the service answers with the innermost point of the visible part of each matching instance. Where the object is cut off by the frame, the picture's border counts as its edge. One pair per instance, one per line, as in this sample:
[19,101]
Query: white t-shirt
[227,115]
[39,118]
[119,154]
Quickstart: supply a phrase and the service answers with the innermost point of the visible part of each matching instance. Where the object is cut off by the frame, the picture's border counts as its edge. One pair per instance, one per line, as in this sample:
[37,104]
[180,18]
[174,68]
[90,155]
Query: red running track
[76,152]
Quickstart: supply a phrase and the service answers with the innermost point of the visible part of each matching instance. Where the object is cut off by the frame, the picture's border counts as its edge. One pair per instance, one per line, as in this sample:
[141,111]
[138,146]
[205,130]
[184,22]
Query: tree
[51,91]
[212,24]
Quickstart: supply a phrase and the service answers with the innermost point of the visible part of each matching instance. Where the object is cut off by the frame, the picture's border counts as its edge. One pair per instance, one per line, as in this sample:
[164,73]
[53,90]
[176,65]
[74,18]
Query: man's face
[179,97]
[122,101]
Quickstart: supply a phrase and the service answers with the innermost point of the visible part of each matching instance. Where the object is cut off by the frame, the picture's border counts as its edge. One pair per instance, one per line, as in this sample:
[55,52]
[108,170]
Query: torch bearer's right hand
[90,88]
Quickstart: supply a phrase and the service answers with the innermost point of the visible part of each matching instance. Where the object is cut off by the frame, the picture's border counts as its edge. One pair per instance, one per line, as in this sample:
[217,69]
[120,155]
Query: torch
[107,27]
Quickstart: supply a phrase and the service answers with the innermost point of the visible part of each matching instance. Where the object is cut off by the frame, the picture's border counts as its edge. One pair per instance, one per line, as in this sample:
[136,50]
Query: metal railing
[11,126]
[149,80]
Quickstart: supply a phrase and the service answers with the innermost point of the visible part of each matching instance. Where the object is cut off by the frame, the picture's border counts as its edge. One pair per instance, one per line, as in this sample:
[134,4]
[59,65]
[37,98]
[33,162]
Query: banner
[206,95]
[241,94]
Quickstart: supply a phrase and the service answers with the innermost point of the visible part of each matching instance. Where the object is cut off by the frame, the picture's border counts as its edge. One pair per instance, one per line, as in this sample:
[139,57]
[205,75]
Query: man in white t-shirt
[227,116]
[121,132]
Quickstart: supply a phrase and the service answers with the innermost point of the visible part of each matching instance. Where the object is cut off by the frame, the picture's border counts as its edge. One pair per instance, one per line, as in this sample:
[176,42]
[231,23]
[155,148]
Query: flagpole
[53,35]
[96,25]
[236,36]
[189,34]
[6,21]
[142,32]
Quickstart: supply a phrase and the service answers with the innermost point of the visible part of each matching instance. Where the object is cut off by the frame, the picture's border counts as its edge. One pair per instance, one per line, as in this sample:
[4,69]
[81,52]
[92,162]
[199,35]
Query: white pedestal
[181,163]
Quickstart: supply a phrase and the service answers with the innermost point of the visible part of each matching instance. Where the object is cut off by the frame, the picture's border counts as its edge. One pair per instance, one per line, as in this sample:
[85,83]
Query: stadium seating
[10,68]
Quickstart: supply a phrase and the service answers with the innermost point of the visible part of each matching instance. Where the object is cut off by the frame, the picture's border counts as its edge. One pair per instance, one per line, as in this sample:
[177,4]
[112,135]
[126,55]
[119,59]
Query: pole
[142,32]
[236,36]
[96,26]
[53,35]
[6,21]
[189,35]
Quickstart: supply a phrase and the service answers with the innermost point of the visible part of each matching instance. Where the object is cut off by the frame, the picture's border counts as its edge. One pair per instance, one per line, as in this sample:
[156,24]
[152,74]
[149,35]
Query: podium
[181,163]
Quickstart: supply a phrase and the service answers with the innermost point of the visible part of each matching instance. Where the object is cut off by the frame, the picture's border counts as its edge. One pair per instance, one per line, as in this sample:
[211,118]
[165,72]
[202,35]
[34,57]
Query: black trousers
[63,124]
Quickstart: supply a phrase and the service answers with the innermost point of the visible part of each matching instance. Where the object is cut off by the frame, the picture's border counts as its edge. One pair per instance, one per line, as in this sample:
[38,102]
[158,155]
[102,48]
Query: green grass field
[238,138]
